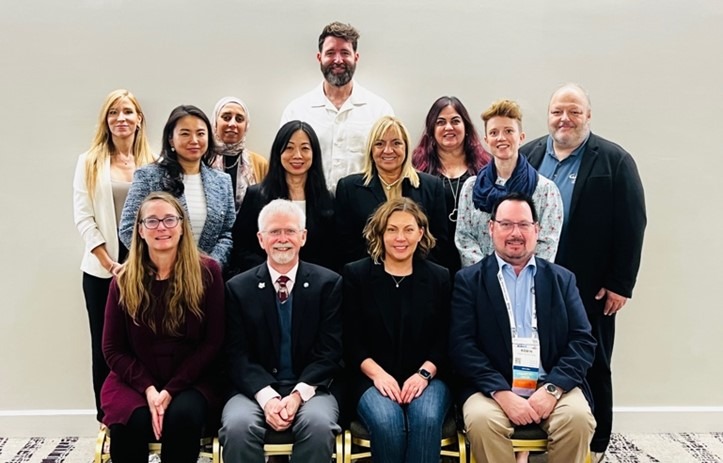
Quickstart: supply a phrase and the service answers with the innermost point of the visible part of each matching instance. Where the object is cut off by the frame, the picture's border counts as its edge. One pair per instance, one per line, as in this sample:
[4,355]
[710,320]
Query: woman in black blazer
[396,317]
[296,174]
[388,173]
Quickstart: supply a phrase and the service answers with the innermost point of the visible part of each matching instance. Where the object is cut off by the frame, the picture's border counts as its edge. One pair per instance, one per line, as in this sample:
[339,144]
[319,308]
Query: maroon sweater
[139,358]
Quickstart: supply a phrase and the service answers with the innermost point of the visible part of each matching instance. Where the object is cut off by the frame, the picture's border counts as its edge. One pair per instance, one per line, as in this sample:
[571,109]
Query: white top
[196,204]
[342,132]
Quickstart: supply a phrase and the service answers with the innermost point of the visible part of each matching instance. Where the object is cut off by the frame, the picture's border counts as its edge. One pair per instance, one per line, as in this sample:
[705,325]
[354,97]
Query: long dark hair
[425,158]
[319,202]
[172,180]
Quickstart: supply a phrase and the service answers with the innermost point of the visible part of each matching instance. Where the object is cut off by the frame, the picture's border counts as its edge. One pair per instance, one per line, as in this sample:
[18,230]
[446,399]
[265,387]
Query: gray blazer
[215,239]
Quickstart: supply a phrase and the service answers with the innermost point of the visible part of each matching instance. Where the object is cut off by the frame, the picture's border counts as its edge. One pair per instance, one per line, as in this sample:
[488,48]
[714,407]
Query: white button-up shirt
[342,132]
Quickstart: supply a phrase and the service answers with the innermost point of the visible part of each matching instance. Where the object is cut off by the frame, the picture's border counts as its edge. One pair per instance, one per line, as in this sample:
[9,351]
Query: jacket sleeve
[224,243]
[628,227]
[467,357]
[83,210]
[350,243]
[438,224]
[246,252]
[355,332]
[577,356]
[140,188]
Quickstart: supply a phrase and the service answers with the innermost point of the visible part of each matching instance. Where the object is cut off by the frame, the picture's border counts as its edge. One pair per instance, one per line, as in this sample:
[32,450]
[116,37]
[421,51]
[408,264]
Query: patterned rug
[629,448]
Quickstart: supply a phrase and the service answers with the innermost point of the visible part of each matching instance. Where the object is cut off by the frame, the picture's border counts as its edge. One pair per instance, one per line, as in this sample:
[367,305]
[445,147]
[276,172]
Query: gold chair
[282,443]
[209,447]
[357,438]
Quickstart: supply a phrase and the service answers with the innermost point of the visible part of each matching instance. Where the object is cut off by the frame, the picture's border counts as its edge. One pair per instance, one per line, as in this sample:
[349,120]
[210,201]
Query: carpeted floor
[629,448]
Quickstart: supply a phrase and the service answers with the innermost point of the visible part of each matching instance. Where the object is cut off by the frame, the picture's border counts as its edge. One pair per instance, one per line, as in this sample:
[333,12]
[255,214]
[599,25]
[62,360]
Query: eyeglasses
[506,225]
[276,232]
[170,221]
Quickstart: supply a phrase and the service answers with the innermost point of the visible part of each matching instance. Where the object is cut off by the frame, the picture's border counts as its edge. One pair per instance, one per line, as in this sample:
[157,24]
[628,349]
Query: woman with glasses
[388,174]
[296,174]
[102,177]
[507,173]
[246,168]
[451,150]
[184,170]
[396,317]
[163,332]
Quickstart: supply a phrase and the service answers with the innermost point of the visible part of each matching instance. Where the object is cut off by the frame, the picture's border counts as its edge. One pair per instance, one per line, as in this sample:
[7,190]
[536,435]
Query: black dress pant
[96,294]
[180,439]
[599,377]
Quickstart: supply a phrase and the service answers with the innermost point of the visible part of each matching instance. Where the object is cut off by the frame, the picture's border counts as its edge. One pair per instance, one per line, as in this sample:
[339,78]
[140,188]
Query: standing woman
[451,150]
[230,123]
[295,173]
[396,315]
[184,170]
[163,333]
[102,178]
[388,174]
[507,173]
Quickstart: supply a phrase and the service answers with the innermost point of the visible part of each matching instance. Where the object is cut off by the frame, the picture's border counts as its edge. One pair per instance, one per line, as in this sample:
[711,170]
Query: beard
[282,257]
[338,80]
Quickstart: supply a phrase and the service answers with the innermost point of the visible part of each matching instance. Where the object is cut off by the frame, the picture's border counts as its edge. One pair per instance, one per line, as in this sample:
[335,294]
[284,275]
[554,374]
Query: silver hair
[281,206]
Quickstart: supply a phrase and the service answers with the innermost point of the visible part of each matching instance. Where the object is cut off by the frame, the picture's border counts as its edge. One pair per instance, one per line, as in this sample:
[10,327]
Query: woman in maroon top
[164,325]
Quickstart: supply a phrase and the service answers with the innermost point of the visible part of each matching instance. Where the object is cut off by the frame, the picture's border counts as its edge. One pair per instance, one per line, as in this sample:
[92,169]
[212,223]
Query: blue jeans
[405,433]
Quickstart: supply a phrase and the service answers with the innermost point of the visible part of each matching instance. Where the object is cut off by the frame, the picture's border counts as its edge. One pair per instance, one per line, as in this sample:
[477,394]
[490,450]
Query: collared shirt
[563,173]
[305,390]
[342,132]
[521,289]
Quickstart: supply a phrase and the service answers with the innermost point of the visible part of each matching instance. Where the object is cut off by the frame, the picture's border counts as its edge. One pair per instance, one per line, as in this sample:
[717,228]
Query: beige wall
[654,71]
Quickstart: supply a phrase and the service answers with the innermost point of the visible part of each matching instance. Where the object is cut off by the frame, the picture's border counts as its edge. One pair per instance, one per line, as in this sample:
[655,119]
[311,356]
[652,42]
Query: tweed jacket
[215,239]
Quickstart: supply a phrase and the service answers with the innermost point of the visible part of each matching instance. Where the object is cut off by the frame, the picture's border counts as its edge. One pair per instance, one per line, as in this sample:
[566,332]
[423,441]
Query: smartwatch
[425,374]
[553,390]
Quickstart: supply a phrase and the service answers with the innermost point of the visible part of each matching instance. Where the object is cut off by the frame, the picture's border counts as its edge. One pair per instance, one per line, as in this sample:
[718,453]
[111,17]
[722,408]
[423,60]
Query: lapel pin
[306,284]
[262,285]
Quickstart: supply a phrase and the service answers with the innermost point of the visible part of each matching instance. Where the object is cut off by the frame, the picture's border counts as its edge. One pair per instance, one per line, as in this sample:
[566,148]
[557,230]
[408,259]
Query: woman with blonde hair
[396,314]
[388,174]
[230,124]
[164,328]
[103,176]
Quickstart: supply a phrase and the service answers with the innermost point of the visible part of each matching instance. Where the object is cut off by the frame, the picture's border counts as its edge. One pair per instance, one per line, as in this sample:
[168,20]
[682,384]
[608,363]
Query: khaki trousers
[569,427]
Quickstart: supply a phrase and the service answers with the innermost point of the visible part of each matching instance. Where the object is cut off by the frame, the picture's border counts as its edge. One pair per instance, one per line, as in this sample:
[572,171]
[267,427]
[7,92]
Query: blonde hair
[503,108]
[102,146]
[377,224]
[380,128]
[186,286]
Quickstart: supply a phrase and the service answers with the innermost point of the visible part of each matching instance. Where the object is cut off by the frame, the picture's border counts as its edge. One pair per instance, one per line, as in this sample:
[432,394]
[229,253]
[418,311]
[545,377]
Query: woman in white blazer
[103,176]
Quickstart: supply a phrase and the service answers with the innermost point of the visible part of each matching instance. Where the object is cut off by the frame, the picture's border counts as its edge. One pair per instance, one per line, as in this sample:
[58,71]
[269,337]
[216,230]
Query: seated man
[284,346]
[521,342]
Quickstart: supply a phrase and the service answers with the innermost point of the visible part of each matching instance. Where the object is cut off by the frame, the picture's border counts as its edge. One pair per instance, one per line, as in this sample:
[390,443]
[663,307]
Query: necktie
[283,293]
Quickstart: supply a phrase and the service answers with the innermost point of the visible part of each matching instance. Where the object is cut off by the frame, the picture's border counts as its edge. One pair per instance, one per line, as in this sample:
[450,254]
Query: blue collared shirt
[521,289]
[563,173]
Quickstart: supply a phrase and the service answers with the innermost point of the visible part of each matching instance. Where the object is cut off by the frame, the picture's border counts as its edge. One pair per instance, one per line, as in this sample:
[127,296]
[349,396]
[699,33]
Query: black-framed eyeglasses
[506,225]
[170,221]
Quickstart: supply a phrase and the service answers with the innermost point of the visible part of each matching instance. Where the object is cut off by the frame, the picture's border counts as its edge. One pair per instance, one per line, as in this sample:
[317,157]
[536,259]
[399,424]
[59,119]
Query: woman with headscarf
[230,124]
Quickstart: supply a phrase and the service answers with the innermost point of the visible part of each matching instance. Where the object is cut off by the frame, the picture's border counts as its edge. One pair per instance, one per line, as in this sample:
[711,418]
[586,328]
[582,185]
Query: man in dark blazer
[512,300]
[284,346]
[603,228]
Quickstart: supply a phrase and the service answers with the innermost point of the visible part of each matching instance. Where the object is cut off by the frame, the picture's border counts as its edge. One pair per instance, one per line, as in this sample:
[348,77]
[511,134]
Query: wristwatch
[425,374]
[553,390]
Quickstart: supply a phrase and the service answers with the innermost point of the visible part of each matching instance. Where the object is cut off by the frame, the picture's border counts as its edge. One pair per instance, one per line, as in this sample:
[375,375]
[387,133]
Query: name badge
[525,365]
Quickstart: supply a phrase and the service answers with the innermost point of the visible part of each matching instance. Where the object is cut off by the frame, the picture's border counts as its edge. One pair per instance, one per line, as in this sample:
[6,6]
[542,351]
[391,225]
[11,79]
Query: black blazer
[480,341]
[368,321]
[252,330]
[356,202]
[604,237]
[247,252]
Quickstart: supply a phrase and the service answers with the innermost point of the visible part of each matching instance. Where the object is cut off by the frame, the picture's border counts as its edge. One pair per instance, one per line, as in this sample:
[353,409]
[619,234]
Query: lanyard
[508,304]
